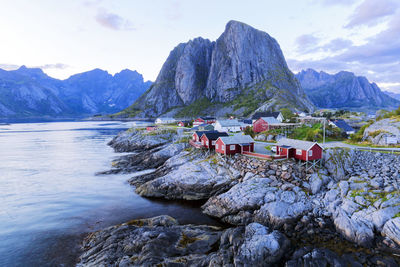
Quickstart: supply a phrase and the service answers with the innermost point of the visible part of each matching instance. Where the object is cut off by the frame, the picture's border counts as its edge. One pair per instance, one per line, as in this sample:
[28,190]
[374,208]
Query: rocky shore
[345,213]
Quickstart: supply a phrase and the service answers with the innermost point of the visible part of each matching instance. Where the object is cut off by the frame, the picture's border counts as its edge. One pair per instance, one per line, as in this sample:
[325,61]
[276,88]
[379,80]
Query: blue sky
[66,37]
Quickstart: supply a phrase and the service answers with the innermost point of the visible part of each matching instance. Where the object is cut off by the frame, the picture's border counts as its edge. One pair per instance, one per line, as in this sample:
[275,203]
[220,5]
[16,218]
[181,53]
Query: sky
[65,37]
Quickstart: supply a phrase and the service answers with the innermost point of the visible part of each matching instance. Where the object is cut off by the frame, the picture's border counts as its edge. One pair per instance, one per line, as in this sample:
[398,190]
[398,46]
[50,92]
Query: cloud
[173,10]
[306,43]
[336,2]
[370,12]
[113,21]
[378,59]
[59,66]
[337,45]
[6,66]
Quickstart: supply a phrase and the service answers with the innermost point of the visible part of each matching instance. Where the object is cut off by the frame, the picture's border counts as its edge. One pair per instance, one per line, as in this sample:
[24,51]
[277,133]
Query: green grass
[194,109]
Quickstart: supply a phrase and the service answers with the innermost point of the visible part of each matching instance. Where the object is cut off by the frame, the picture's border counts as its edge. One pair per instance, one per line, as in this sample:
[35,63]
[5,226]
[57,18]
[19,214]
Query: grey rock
[391,229]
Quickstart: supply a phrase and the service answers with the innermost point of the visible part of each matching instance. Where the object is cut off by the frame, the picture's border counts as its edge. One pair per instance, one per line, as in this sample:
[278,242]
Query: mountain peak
[343,90]
[243,61]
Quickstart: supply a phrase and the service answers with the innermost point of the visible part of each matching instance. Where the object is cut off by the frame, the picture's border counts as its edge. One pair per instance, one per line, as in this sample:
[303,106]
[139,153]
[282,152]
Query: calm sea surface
[50,196]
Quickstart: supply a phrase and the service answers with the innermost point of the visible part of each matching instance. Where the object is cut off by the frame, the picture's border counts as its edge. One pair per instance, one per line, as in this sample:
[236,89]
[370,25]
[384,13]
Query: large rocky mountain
[344,90]
[243,70]
[29,92]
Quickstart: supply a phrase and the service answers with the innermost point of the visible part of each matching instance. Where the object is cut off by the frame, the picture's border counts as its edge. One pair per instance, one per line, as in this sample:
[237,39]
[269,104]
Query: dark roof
[258,115]
[200,133]
[248,121]
[207,118]
[343,125]
[215,135]
[184,121]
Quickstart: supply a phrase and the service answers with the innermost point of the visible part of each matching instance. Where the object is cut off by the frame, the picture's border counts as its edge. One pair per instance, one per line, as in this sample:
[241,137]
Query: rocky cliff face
[343,90]
[240,72]
[30,92]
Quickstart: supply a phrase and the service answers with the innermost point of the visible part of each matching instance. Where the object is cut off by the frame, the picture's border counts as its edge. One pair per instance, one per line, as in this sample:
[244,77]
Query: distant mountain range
[29,92]
[393,95]
[344,90]
[244,70]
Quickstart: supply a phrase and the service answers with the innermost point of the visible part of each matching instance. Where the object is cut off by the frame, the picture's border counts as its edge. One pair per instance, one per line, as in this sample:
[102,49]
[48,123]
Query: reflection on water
[50,197]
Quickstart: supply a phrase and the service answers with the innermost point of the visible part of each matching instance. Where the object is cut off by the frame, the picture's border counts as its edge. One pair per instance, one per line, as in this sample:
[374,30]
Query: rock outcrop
[161,241]
[344,90]
[379,132]
[243,64]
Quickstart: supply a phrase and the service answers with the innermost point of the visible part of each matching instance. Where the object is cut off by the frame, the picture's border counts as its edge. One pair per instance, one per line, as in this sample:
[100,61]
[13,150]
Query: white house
[165,120]
[277,115]
[228,126]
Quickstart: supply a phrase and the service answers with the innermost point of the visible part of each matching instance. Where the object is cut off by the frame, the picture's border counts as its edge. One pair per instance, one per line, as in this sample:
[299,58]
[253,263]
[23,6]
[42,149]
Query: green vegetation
[196,108]
[358,136]
[288,115]
[376,133]
[395,114]
[249,131]
[315,133]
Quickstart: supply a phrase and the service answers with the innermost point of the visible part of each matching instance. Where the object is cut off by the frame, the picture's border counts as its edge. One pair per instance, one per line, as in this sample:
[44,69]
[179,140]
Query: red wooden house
[263,124]
[197,135]
[298,149]
[203,120]
[208,140]
[183,123]
[230,145]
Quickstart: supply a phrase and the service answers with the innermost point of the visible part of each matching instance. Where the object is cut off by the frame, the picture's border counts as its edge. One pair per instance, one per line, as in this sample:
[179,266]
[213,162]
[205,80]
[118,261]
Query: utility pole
[324,132]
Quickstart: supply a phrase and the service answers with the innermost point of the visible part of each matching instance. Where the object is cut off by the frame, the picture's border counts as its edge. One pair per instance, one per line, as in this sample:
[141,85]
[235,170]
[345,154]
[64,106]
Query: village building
[277,115]
[264,124]
[229,126]
[209,139]
[203,120]
[183,123]
[299,149]
[231,145]
[203,127]
[165,120]
[197,135]
[151,128]
[343,126]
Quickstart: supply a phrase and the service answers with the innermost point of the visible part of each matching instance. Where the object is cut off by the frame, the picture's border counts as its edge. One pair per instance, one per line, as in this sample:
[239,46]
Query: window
[310,153]
[223,147]
[204,142]
[213,143]
[217,146]
[280,149]
[233,147]
[299,152]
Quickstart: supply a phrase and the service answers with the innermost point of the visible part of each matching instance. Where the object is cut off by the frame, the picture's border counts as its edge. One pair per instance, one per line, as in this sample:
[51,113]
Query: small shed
[230,145]
[263,124]
[299,149]
[208,139]
[203,120]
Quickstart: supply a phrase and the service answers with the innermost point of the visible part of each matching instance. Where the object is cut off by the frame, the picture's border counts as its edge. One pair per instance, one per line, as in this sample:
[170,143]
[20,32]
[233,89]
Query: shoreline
[179,175]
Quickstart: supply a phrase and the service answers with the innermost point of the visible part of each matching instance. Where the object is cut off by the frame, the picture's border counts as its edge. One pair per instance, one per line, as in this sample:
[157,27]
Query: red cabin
[263,123]
[208,140]
[151,128]
[197,135]
[203,120]
[230,145]
[183,123]
[298,149]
